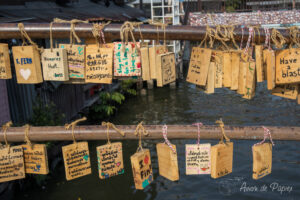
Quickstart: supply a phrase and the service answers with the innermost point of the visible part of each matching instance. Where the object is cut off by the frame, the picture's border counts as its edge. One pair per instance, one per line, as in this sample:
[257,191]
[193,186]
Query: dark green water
[187,105]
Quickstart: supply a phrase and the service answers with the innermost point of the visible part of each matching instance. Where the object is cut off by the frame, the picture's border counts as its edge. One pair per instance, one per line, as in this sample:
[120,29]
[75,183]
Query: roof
[43,11]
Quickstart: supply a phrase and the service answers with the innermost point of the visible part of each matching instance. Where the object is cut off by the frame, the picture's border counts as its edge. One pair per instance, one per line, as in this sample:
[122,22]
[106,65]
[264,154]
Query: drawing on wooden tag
[199,65]
[55,64]
[197,159]
[218,58]
[166,70]
[289,91]
[76,60]
[27,64]
[154,52]
[250,81]
[259,63]
[99,64]
[5,68]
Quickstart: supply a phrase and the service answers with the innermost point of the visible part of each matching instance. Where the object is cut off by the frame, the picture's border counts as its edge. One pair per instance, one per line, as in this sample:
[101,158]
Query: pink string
[165,133]
[102,36]
[199,124]
[241,46]
[267,41]
[249,40]
[266,134]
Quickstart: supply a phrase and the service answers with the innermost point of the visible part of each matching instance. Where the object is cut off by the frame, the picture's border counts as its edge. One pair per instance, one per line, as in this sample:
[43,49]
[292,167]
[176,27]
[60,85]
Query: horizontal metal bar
[112,31]
[59,133]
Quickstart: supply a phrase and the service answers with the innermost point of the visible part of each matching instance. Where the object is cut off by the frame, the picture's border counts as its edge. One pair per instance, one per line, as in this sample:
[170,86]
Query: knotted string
[267,133]
[98,34]
[140,130]
[222,37]
[162,26]
[199,124]
[27,140]
[111,125]
[4,129]
[221,124]
[277,38]
[126,28]
[165,133]
[73,124]
[209,33]
[24,36]
[294,36]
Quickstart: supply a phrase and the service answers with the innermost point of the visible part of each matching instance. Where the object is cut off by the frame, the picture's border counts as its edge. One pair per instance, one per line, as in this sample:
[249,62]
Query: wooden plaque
[55,65]
[145,63]
[141,169]
[27,64]
[127,61]
[199,65]
[221,159]
[242,77]
[259,63]
[154,52]
[77,160]
[167,161]
[166,70]
[76,60]
[99,64]
[288,66]
[35,159]
[210,85]
[227,69]
[110,160]
[250,81]
[270,68]
[262,160]
[5,68]
[197,159]
[235,66]
[219,68]
[289,91]
[11,164]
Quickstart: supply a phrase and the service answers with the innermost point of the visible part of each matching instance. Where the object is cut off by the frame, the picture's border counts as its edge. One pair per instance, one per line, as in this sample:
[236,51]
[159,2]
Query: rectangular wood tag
[199,65]
[166,70]
[210,85]
[167,161]
[27,64]
[288,66]
[197,159]
[242,77]
[35,159]
[99,64]
[141,169]
[219,68]
[154,52]
[76,60]
[110,160]
[11,164]
[227,74]
[289,91]
[77,160]
[127,61]
[270,68]
[259,63]
[262,160]
[55,65]
[235,66]
[145,63]
[5,68]
[221,159]
[250,81]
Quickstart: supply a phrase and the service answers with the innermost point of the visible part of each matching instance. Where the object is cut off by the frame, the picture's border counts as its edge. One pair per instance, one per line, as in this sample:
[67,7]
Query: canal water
[187,105]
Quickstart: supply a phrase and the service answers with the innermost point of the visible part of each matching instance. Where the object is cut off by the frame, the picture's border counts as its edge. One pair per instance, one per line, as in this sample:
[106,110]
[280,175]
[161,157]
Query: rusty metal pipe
[59,133]
[112,32]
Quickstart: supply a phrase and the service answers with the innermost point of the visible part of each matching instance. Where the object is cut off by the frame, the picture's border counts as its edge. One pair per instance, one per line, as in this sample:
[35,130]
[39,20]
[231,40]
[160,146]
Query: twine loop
[277,38]
[73,124]
[4,129]
[162,26]
[209,34]
[267,133]
[111,125]
[126,29]
[27,140]
[139,131]
[165,133]
[25,37]
[294,36]
[221,124]
[199,124]
[98,34]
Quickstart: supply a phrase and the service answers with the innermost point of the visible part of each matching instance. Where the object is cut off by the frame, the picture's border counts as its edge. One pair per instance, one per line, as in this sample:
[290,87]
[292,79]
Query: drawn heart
[25,73]
[118,164]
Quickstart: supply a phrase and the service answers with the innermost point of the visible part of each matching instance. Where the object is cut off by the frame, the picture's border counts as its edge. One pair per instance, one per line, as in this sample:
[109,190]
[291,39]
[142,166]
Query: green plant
[107,105]
[232,5]
[126,87]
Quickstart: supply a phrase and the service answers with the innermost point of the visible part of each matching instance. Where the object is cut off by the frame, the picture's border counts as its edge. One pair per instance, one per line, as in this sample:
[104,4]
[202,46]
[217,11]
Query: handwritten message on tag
[76,60]
[5,70]
[141,169]
[99,64]
[166,70]
[218,59]
[110,160]
[262,160]
[221,159]
[77,160]
[35,159]
[127,61]
[197,159]
[55,65]
[11,164]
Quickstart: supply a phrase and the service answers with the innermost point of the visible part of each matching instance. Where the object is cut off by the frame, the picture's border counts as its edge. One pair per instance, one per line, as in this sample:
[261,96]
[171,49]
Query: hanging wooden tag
[145,62]
[166,70]
[35,159]
[98,64]
[262,160]
[154,52]
[141,169]
[199,65]
[242,77]
[235,66]
[197,159]
[27,64]
[250,81]
[110,160]
[76,60]
[289,91]
[259,63]
[288,66]
[55,65]
[11,164]
[5,68]
[218,55]
[227,69]
[270,68]
[77,160]
[127,61]
[167,161]
[221,159]
[210,85]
